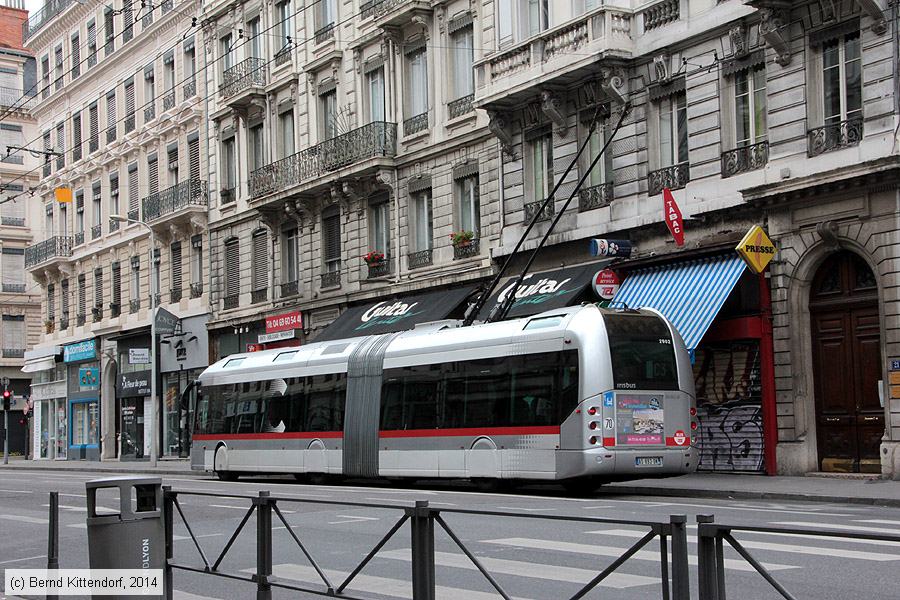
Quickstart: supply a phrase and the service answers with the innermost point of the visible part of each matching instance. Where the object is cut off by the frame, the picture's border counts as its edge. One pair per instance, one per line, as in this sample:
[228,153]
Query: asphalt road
[533,559]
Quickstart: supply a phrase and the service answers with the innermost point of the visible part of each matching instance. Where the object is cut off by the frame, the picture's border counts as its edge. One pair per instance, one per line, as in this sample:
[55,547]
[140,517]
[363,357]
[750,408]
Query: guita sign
[383,309]
[543,286]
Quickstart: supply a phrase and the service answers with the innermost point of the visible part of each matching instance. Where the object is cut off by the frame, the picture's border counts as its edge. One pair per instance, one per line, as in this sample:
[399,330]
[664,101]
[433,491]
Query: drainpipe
[767,374]
[209,188]
[391,110]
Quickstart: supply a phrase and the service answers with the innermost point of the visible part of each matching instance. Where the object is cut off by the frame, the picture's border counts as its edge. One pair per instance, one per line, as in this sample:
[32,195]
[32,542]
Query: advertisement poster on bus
[639,420]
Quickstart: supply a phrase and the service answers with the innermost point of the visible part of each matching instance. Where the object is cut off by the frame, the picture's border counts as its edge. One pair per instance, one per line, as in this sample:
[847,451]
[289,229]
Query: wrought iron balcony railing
[383,7]
[229,302]
[20,99]
[533,208]
[422,258]
[172,199]
[115,309]
[175,296]
[260,295]
[228,195]
[367,8]
[94,143]
[291,288]
[14,288]
[415,124]
[64,320]
[190,89]
[96,231]
[596,196]
[129,123]
[248,73]
[97,313]
[79,238]
[111,134]
[133,215]
[380,268]
[59,246]
[196,289]
[12,221]
[745,158]
[674,178]
[76,153]
[460,106]
[80,319]
[662,13]
[155,300]
[834,136]
[37,19]
[330,279]
[466,249]
[325,33]
[14,353]
[134,305]
[113,225]
[375,139]
[168,100]
[149,112]
[283,56]
[16,159]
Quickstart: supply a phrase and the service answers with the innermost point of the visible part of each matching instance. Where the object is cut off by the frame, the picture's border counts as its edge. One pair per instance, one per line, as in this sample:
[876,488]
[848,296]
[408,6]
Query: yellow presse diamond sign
[756,249]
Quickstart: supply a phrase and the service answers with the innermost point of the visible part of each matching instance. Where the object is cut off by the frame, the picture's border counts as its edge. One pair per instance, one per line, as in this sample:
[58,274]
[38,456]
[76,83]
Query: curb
[120,470]
[744,495]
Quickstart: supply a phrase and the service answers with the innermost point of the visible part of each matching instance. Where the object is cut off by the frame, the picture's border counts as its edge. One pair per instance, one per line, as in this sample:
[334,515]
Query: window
[85,423]
[254,37]
[12,135]
[842,78]
[642,353]
[127,21]
[76,55]
[232,269]
[673,133]
[133,192]
[76,136]
[64,299]
[155,273]
[417,87]
[603,170]
[750,106]
[290,249]
[12,211]
[328,110]
[463,54]
[47,147]
[135,288]
[114,195]
[326,14]
[149,84]
[92,43]
[468,205]
[94,126]
[536,16]
[260,274]
[257,147]
[172,159]
[331,240]
[48,220]
[51,302]
[189,60]
[79,212]
[45,76]
[194,156]
[129,105]
[98,287]
[539,162]
[116,288]
[284,20]
[380,226]
[58,61]
[82,296]
[196,260]
[175,266]
[375,87]
[13,332]
[229,177]
[169,74]
[152,174]
[109,31]
[286,133]
[96,207]
[422,220]
[226,51]
[111,116]
[13,266]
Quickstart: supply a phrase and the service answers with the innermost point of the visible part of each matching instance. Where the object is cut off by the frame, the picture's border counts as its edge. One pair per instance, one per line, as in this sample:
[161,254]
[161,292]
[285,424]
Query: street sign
[284,322]
[756,249]
[606,284]
[138,356]
[166,322]
[673,217]
[265,338]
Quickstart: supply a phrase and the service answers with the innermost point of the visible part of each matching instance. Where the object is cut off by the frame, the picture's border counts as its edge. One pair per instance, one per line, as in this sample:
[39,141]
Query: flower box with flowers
[373,258]
[461,239]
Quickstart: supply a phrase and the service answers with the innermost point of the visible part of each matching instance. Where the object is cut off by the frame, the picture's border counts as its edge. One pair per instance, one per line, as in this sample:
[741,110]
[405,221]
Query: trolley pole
[6,407]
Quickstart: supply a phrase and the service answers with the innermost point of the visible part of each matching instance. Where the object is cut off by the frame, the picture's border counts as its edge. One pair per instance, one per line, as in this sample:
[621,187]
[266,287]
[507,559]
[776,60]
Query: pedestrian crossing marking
[855,528]
[877,521]
[501,566]
[24,519]
[614,552]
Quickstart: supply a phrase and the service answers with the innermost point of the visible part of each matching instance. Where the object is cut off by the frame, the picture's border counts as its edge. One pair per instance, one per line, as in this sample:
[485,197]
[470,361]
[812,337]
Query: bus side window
[392,400]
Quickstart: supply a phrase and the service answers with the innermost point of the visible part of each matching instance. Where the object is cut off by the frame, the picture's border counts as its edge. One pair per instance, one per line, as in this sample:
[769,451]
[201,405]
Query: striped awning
[688,293]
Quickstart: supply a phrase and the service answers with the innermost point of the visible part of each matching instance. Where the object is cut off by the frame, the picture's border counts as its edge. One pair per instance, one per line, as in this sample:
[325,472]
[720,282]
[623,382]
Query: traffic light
[7,398]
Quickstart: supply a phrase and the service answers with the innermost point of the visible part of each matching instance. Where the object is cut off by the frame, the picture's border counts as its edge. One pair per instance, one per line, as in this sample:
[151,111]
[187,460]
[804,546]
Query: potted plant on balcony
[462,239]
[374,258]
[48,326]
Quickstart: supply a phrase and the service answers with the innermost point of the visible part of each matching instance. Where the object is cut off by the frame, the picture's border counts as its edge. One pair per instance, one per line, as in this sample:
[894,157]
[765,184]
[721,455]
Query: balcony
[14,288]
[111,134]
[149,112]
[64,320]
[229,195]
[291,288]
[330,279]
[80,319]
[190,89]
[13,97]
[16,159]
[196,289]
[415,124]
[422,258]
[325,33]
[283,56]
[39,18]
[369,141]
[596,196]
[567,55]
[260,295]
[674,178]
[168,101]
[57,247]
[382,268]
[534,208]
[395,13]
[134,306]
[79,238]
[97,314]
[229,302]
[94,143]
[834,136]
[113,225]
[155,300]
[460,106]
[13,352]
[175,296]
[466,250]
[115,309]
[129,123]
[133,215]
[12,221]
[745,158]
[242,81]
[174,201]
[96,232]
[663,13]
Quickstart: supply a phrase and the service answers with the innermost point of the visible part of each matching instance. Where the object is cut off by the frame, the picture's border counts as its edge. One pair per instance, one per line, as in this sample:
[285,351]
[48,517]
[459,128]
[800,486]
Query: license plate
[648,461]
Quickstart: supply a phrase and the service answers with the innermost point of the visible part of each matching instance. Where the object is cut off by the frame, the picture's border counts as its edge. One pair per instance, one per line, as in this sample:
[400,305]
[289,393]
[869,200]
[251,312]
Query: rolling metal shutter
[232,267]
[260,274]
[194,157]
[176,266]
[152,175]
[132,189]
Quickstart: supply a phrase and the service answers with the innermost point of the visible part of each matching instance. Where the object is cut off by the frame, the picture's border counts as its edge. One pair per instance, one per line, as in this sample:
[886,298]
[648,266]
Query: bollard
[53,537]
[168,520]
[681,583]
[263,546]
[422,530]
[708,579]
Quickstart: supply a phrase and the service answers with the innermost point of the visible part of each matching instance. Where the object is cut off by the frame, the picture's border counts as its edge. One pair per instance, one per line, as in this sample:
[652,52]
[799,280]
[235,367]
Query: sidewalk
[853,490]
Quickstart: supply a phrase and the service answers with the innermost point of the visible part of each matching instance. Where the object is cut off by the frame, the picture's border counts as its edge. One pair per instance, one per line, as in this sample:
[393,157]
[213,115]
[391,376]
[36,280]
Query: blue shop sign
[86,350]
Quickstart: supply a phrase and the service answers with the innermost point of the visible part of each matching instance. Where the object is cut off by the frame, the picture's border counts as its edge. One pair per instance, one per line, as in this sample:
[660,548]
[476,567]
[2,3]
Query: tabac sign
[756,249]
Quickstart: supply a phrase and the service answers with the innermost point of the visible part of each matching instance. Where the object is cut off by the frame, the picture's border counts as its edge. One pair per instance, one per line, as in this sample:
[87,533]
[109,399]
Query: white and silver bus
[582,395]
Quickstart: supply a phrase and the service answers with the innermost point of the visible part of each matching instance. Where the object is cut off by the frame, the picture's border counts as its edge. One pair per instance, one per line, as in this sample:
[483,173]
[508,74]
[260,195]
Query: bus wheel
[226,475]
[581,486]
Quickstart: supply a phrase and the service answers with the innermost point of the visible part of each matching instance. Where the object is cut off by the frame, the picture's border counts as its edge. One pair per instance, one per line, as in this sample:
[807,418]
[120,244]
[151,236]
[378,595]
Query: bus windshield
[642,352]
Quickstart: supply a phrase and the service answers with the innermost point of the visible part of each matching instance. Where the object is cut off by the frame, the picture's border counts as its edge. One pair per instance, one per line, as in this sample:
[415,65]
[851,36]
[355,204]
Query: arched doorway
[846,345]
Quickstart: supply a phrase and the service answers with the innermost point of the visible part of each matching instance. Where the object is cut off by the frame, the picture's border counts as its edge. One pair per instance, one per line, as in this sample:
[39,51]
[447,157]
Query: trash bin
[133,538]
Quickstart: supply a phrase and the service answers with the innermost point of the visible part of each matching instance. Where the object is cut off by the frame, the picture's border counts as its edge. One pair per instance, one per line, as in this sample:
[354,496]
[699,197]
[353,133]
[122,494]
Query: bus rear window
[642,352]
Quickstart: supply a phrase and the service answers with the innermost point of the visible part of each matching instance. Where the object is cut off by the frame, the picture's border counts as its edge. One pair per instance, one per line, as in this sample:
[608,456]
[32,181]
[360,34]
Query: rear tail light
[592,410]
[694,425]
[593,425]
[592,439]
[693,412]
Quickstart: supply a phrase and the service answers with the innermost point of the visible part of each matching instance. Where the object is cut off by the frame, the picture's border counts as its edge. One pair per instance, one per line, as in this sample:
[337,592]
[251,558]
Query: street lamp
[154,451]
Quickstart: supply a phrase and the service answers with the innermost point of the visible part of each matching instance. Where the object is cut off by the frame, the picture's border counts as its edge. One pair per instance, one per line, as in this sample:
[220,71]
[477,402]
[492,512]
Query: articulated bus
[581,395]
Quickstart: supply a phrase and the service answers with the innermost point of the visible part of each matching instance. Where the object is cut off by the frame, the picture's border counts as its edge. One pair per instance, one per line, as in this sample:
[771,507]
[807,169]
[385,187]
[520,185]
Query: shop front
[183,355]
[83,406]
[49,409]
[133,394]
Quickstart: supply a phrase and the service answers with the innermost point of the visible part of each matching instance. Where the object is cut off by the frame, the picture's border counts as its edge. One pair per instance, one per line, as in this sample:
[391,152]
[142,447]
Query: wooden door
[846,336]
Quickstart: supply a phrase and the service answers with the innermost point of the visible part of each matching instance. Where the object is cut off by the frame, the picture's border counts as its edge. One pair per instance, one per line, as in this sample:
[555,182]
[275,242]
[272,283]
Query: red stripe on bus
[609,441]
[471,431]
[291,435]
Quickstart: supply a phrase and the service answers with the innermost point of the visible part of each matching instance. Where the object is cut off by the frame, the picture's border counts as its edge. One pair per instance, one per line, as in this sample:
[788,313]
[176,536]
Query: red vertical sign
[672,214]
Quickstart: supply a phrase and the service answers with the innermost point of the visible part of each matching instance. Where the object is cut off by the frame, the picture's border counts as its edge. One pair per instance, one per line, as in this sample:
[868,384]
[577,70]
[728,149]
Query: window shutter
[111,110]
[132,188]
[331,230]
[98,287]
[172,157]
[92,34]
[64,292]
[109,30]
[232,268]
[82,294]
[176,266]
[260,260]
[94,118]
[13,265]
[76,55]
[61,145]
[51,302]
[194,158]
[117,283]
[114,191]
[13,331]
[13,209]
[129,97]
[76,131]
[153,175]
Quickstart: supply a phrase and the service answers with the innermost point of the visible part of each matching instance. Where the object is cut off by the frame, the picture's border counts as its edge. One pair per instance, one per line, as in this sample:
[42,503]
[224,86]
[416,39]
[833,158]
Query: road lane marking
[742,507]
[855,528]
[614,552]
[16,491]
[501,566]
[775,547]
[180,595]
[520,509]
[382,586]
[15,560]
[24,519]
[352,519]
[877,521]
